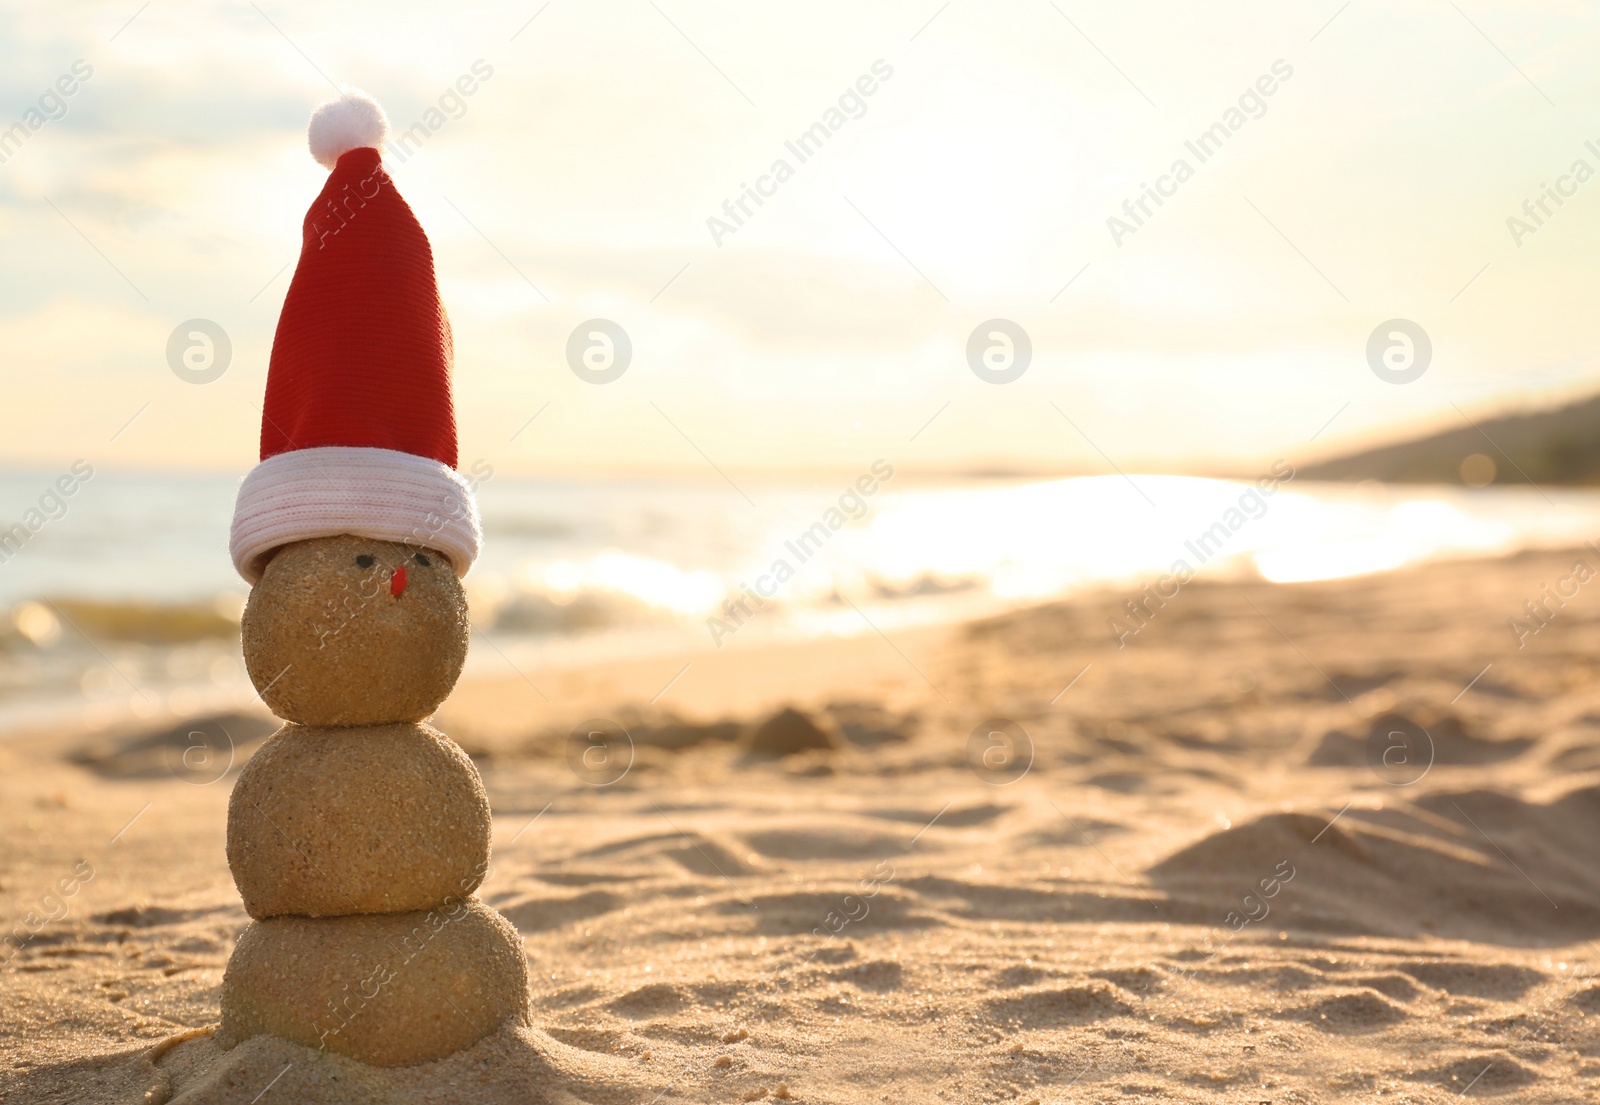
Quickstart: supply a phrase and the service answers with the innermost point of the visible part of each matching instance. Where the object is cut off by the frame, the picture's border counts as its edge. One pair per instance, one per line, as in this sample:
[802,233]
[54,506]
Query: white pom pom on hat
[354,121]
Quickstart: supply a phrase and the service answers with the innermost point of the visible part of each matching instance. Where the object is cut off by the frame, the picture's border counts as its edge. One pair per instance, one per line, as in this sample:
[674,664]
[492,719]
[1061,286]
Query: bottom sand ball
[390,989]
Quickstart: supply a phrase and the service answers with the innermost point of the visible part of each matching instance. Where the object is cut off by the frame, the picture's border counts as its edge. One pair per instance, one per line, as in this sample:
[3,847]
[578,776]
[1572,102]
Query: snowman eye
[424,561]
[364,561]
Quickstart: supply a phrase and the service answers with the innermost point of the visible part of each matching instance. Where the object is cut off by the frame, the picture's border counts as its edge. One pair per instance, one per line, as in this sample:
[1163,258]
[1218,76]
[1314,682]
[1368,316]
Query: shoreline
[625,661]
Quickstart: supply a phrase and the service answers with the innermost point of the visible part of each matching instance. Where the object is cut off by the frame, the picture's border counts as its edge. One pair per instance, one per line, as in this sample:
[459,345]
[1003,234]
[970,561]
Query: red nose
[397,582]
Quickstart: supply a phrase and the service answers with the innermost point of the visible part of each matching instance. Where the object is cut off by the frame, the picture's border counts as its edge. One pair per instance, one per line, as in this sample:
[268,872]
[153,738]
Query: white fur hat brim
[383,494]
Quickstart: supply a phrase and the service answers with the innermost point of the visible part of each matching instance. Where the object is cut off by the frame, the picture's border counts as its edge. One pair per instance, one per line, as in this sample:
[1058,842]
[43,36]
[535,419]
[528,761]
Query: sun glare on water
[926,553]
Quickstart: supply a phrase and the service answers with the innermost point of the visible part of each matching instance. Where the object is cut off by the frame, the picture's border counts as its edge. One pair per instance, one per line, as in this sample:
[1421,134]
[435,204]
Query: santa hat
[358,431]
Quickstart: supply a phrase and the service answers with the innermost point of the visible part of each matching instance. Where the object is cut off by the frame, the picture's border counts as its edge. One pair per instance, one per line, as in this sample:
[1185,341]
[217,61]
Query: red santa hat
[358,431]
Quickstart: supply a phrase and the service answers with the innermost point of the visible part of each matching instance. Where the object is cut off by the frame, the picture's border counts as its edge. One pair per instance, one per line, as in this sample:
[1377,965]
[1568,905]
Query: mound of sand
[1438,866]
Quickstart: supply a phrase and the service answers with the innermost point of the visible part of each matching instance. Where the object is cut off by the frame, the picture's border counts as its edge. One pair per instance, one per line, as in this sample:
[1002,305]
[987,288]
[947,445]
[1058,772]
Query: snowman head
[349,630]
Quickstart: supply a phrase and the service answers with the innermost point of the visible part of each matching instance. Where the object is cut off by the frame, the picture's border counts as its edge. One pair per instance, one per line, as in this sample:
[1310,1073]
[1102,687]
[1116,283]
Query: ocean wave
[615,590]
[44,623]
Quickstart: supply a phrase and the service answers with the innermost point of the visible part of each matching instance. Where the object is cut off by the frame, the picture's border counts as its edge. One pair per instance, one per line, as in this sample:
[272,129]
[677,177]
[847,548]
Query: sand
[1219,865]
[389,989]
[365,819]
[352,631]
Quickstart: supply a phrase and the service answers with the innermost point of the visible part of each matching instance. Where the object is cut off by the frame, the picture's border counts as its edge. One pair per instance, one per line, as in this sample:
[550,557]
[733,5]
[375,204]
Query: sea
[120,596]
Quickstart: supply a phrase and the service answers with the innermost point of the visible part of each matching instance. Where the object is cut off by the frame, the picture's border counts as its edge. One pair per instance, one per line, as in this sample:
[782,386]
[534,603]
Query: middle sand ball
[375,819]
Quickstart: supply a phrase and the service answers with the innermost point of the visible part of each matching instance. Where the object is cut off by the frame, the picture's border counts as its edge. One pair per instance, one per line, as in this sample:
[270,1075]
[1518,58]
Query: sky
[1217,331]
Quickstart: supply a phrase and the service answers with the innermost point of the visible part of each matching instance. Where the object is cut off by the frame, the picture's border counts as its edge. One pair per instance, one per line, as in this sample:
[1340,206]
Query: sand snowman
[357,835]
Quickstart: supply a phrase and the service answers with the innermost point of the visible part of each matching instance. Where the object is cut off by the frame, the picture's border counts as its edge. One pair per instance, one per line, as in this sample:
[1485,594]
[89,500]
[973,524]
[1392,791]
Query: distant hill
[1555,447]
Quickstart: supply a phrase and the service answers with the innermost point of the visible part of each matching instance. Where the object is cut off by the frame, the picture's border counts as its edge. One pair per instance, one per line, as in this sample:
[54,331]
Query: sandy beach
[1321,842]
